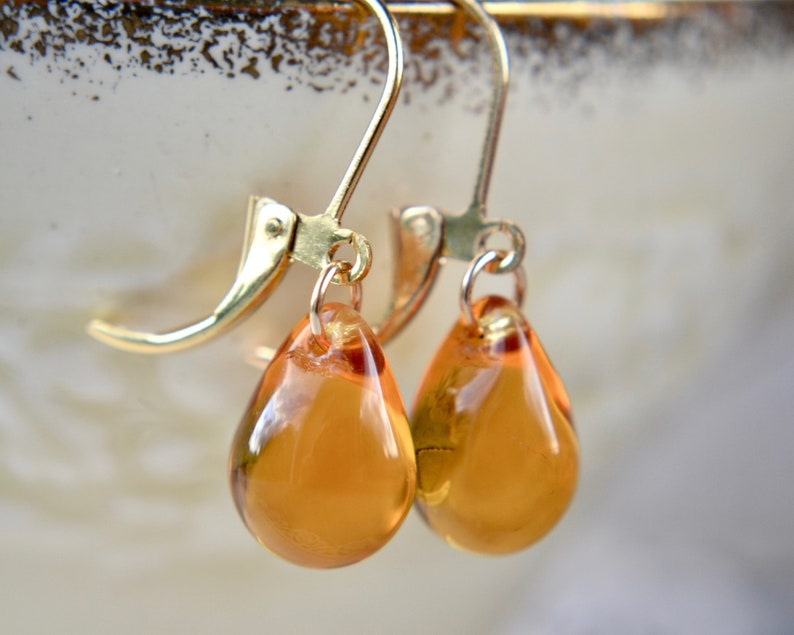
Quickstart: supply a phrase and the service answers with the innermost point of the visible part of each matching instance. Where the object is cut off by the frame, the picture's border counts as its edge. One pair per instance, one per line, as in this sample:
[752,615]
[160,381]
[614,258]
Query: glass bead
[497,455]
[322,467]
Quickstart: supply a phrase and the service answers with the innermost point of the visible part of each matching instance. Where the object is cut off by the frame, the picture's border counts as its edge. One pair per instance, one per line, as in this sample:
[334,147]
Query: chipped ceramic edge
[69,39]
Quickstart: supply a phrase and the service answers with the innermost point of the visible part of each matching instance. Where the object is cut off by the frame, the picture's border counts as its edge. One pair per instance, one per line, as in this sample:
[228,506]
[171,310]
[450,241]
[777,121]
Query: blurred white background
[659,211]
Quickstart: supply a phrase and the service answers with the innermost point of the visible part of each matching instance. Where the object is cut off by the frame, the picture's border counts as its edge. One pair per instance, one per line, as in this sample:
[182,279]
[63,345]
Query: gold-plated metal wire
[466,234]
[394,78]
[487,262]
[425,236]
[318,297]
[270,232]
[501,79]
[276,235]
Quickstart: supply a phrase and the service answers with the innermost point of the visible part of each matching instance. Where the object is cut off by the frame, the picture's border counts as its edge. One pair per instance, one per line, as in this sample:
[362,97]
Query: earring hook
[501,81]
[425,235]
[465,235]
[388,99]
[275,235]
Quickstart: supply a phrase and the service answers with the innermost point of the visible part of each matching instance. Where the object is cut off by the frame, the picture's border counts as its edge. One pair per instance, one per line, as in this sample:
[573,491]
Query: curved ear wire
[465,235]
[388,99]
[501,82]
[276,235]
[425,236]
[270,229]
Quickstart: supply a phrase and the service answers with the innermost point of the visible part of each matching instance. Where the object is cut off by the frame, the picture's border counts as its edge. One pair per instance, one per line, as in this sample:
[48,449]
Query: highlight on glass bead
[322,467]
[496,451]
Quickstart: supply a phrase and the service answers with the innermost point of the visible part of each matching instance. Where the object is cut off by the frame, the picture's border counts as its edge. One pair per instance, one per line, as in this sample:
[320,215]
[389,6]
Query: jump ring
[333,269]
[477,265]
[508,260]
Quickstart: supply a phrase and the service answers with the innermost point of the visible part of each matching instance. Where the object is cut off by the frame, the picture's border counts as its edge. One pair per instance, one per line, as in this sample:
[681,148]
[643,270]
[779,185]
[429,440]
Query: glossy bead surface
[322,466]
[497,455]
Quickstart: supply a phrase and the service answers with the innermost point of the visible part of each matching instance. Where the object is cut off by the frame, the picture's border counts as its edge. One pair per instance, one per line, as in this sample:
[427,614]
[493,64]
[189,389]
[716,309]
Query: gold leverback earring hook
[275,234]
[465,235]
[425,236]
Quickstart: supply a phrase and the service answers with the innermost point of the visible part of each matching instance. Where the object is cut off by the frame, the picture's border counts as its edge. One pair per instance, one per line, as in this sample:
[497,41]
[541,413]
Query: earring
[322,467]
[496,451]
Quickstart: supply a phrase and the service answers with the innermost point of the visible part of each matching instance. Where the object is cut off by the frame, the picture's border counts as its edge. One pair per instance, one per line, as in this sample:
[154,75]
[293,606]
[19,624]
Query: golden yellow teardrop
[322,467]
[496,452]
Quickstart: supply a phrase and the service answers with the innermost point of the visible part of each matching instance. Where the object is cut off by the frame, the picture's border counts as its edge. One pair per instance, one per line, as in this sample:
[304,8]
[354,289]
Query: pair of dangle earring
[324,467]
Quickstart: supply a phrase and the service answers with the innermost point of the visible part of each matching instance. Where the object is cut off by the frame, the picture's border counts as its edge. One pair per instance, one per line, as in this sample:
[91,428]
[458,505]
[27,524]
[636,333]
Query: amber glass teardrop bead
[496,452]
[322,467]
